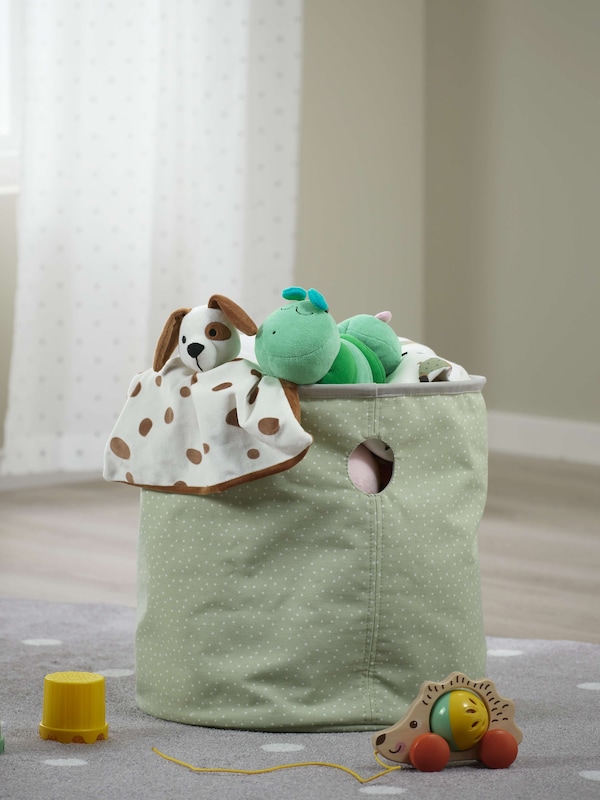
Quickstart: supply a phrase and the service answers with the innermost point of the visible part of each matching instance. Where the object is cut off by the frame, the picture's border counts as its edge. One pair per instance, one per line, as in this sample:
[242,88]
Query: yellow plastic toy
[455,720]
[74,708]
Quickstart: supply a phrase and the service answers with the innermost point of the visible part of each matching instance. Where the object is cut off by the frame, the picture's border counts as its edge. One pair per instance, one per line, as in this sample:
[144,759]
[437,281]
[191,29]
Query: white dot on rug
[505,653]
[65,762]
[281,747]
[42,642]
[382,790]
[115,673]
[593,687]
[591,775]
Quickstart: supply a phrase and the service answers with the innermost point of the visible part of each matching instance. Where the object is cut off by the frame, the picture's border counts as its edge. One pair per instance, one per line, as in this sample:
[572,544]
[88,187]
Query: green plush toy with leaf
[302,343]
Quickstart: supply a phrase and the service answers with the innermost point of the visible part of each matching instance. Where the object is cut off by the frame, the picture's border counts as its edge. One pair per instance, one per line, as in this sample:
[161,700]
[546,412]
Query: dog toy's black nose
[380,739]
[194,349]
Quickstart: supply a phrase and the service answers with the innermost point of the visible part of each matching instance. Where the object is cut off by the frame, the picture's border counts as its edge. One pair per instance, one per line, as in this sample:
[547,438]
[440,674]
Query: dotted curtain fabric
[159,167]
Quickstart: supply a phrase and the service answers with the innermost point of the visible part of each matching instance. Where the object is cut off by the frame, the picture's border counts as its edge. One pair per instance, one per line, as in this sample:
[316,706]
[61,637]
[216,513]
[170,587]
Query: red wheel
[429,752]
[498,749]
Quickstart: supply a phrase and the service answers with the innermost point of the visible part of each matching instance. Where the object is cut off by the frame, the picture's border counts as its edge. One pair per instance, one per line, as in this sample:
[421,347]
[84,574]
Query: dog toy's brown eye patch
[217,331]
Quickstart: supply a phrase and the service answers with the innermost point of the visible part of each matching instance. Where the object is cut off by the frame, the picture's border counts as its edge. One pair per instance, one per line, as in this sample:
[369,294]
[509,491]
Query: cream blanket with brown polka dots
[203,432]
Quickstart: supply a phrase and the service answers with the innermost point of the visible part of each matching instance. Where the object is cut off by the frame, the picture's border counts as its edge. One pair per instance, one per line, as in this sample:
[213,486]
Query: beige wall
[507,246]
[450,171]
[360,220]
[513,198]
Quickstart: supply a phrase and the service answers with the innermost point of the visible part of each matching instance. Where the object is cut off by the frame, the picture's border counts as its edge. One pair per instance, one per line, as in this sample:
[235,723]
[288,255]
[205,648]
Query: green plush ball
[377,335]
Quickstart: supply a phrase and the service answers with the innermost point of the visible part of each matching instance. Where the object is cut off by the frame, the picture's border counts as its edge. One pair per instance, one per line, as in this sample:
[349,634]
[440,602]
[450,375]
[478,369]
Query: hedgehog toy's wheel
[429,752]
[498,749]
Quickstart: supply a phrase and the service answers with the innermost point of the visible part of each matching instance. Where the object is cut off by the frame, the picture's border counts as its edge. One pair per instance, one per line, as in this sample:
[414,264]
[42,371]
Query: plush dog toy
[301,343]
[203,420]
[206,335]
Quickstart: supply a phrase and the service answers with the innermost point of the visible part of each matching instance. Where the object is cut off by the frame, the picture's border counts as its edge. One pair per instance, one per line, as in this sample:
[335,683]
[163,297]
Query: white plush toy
[203,420]
[421,364]
[207,336]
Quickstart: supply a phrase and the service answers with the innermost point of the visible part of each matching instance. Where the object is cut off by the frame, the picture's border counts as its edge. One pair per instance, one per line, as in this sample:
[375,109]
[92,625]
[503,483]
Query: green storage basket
[297,602]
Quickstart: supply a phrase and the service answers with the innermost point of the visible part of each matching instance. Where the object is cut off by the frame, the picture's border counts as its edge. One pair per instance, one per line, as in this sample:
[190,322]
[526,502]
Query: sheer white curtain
[159,166]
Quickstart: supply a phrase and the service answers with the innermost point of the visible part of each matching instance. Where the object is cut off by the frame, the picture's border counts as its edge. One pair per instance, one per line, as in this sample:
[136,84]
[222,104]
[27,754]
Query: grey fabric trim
[317,391]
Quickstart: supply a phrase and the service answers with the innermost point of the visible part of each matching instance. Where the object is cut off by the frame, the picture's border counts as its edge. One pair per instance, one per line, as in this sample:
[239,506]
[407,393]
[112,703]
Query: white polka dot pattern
[504,653]
[160,163]
[591,775]
[282,747]
[299,603]
[42,642]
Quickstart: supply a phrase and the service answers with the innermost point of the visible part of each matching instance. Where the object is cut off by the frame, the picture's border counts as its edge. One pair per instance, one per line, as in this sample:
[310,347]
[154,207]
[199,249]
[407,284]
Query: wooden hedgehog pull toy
[455,720]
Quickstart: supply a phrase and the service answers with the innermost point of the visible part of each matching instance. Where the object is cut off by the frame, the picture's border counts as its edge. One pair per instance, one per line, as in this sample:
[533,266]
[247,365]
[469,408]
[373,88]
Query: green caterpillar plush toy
[301,343]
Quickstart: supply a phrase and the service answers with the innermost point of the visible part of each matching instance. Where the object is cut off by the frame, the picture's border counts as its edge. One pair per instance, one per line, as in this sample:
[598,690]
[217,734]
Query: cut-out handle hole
[371,466]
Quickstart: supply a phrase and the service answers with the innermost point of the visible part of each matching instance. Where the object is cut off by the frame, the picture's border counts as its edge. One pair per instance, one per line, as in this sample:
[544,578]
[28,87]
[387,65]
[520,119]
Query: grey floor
[539,545]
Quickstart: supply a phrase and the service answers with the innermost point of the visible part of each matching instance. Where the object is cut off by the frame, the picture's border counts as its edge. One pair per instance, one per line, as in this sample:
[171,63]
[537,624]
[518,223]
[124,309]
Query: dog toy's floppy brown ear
[167,341]
[236,315]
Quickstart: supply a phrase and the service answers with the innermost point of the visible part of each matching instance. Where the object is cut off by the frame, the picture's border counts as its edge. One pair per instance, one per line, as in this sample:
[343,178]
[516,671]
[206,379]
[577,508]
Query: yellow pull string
[265,770]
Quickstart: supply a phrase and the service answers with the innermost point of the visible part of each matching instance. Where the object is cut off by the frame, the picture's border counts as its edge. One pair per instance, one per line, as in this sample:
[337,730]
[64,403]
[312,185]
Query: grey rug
[555,685]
